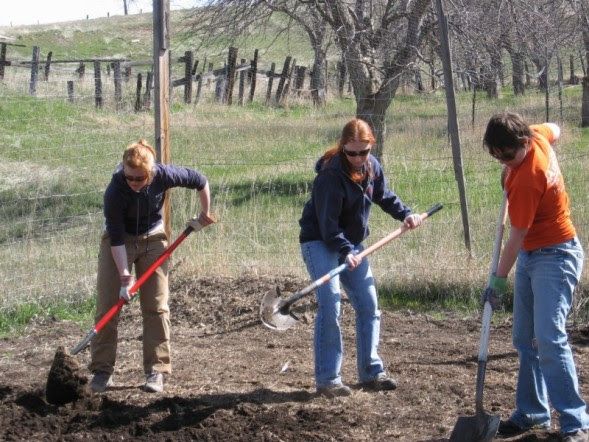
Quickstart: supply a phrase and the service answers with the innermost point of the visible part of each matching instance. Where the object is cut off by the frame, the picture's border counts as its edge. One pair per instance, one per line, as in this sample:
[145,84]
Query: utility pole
[161,90]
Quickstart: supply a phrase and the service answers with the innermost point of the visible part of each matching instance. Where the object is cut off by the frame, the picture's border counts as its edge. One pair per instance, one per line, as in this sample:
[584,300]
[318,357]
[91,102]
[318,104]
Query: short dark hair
[506,130]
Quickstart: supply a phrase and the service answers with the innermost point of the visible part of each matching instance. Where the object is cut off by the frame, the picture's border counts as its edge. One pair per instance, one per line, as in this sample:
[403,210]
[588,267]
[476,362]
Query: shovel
[482,427]
[275,311]
[133,290]
[64,383]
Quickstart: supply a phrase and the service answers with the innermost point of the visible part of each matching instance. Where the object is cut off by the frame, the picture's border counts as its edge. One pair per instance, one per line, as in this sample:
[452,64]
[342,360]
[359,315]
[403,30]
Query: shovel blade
[272,314]
[479,428]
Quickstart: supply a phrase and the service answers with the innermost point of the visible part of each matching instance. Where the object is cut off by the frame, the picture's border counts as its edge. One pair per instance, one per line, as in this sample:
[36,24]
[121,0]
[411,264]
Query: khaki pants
[142,251]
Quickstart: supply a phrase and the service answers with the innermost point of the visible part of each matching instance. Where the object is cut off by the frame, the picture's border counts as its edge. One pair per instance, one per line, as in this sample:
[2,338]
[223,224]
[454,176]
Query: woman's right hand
[127,280]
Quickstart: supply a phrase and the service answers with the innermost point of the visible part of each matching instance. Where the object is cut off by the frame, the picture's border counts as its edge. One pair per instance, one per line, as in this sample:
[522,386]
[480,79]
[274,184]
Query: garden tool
[482,427]
[275,311]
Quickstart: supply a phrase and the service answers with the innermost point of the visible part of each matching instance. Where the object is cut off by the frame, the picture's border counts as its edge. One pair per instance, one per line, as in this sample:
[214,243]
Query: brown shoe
[331,391]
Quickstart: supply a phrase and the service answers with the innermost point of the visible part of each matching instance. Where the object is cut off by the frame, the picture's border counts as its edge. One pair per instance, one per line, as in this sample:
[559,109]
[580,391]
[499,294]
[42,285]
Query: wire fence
[58,156]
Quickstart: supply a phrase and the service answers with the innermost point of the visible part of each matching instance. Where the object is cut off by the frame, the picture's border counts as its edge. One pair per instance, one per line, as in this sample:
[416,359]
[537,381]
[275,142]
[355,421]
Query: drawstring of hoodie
[143,192]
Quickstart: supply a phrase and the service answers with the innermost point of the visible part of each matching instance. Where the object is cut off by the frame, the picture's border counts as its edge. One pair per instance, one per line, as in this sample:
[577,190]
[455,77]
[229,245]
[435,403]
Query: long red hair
[354,130]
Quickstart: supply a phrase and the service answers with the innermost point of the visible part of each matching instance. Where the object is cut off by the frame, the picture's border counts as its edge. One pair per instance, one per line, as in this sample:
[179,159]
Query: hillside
[131,37]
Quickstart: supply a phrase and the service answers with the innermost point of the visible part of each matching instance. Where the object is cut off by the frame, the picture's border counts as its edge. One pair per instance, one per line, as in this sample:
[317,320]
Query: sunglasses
[357,153]
[136,179]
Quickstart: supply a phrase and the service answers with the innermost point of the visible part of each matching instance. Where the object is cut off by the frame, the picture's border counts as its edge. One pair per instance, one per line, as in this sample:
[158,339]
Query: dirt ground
[234,379]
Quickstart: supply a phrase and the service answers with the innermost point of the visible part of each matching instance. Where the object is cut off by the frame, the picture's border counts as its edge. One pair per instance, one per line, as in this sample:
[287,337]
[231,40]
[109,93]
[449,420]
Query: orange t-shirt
[536,194]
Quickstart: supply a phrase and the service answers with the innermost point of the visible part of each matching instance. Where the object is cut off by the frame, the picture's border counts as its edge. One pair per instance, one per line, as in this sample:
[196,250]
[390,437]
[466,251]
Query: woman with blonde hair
[134,236]
[333,225]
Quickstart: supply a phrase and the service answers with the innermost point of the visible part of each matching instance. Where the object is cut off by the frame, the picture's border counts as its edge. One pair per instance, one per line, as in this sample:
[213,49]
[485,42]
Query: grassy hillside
[131,37]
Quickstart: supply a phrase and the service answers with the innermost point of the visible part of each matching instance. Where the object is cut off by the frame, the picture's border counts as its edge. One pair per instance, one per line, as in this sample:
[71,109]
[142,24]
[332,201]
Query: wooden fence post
[97,85]
[2,60]
[70,91]
[34,71]
[231,62]
[81,70]
[138,94]
[220,86]
[283,77]
[270,81]
[198,88]
[241,84]
[300,79]
[188,56]
[118,84]
[127,74]
[48,65]
[147,93]
[162,87]
[253,74]
[289,83]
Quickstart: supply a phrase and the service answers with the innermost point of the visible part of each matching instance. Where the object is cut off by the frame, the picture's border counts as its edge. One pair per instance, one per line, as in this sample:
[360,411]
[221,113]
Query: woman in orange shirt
[549,263]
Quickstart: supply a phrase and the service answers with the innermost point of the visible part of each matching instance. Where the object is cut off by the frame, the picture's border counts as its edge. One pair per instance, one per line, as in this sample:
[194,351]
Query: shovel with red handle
[133,290]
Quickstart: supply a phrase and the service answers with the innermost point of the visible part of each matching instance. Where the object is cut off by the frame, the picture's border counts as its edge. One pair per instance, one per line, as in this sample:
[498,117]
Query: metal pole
[453,122]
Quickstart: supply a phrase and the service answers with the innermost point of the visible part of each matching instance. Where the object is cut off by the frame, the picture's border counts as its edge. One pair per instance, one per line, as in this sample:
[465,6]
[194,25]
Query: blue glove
[494,292]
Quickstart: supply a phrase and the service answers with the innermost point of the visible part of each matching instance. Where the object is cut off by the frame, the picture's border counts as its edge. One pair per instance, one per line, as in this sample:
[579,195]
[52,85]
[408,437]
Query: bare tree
[379,41]
[581,9]
[312,22]
[238,18]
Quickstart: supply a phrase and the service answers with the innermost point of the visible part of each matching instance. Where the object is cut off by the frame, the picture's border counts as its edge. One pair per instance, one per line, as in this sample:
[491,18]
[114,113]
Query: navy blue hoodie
[136,213]
[338,210]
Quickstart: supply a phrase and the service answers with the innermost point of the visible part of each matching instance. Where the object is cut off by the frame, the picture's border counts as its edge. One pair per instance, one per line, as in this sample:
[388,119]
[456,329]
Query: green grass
[13,320]
[57,159]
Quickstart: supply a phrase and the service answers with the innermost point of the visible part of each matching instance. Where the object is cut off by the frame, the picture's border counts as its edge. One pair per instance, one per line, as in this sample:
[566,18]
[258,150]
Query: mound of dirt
[65,382]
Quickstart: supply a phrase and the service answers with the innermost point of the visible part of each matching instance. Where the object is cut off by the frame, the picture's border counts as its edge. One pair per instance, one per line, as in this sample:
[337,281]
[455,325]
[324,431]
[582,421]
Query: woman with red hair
[333,225]
[134,236]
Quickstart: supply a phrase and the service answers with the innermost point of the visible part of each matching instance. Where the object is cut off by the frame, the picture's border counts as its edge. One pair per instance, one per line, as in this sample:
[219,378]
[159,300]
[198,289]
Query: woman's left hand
[353,261]
[412,221]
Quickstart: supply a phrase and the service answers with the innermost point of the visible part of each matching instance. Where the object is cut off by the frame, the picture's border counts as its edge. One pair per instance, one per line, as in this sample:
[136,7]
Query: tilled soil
[236,380]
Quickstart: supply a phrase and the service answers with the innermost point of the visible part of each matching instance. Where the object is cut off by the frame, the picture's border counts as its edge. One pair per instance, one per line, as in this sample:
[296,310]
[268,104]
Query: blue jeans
[328,344]
[545,280]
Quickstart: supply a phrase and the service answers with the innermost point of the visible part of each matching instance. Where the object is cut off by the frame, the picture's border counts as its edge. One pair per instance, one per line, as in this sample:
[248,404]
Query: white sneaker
[154,382]
[101,381]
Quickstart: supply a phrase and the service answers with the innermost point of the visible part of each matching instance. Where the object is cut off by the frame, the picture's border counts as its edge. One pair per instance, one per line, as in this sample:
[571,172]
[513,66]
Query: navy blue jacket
[338,210]
[136,213]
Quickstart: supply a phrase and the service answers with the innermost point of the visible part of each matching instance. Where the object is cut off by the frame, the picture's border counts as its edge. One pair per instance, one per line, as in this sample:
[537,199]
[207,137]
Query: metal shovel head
[272,313]
[481,427]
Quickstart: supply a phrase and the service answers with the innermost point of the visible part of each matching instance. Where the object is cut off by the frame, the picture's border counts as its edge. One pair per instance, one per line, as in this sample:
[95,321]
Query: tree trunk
[373,109]
[518,75]
[585,103]
[541,69]
[125,7]
[318,78]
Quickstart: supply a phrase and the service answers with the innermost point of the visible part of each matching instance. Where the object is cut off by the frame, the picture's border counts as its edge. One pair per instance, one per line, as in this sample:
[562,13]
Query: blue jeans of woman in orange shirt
[545,280]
